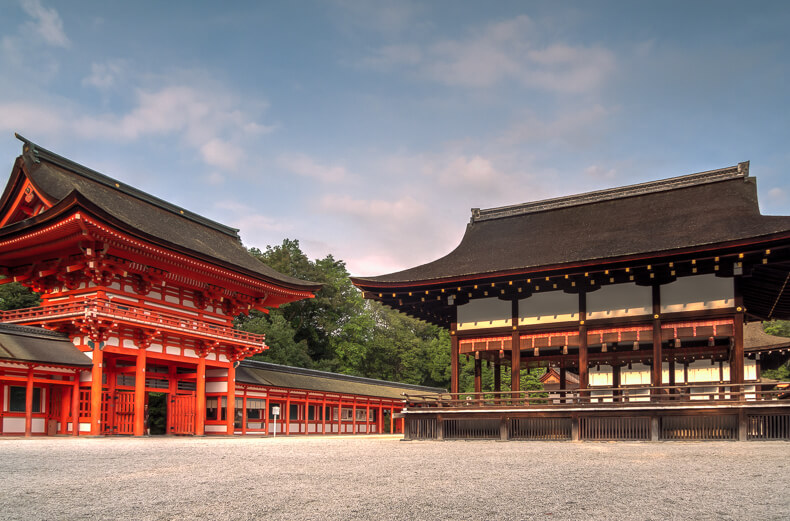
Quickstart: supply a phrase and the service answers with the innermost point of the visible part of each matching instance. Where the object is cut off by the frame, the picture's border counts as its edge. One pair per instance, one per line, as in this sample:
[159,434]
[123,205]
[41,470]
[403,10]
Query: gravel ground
[384,478]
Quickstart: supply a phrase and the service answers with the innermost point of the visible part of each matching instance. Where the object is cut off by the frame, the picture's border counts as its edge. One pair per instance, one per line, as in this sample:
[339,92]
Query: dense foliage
[340,331]
[778,328]
[16,296]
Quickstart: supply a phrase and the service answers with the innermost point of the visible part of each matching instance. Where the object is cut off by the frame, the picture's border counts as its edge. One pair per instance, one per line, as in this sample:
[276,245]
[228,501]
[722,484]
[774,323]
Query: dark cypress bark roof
[58,178]
[693,211]
[33,344]
[282,376]
[755,339]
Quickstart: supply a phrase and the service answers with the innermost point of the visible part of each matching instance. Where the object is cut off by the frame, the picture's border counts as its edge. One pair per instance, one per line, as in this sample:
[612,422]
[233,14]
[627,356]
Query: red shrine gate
[148,291]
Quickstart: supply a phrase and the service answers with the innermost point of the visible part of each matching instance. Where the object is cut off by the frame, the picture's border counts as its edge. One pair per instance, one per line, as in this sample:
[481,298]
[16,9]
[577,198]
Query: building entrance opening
[157,414]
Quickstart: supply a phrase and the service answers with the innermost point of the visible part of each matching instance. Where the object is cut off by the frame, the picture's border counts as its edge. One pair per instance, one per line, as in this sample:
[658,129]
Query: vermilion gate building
[148,292]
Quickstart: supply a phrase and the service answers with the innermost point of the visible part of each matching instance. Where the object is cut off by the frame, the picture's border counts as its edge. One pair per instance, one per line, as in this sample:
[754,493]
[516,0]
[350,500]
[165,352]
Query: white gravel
[384,478]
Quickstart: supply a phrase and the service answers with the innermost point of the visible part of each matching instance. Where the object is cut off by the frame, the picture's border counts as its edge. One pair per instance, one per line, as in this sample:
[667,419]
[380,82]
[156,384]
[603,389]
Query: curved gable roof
[57,178]
[691,211]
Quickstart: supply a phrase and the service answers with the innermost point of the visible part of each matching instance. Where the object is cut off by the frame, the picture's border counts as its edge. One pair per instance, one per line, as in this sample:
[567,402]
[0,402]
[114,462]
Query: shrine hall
[650,295]
[138,298]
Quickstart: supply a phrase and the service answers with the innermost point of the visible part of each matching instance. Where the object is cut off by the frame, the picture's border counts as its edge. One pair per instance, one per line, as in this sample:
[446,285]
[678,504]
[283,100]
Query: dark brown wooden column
[616,381]
[454,358]
[478,373]
[563,380]
[584,377]
[515,362]
[515,353]
[655,374]
[736,353]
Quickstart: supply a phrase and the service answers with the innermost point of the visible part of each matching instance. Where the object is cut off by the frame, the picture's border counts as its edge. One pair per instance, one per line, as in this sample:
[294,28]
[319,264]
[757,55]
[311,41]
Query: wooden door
[182,407]
[124,412]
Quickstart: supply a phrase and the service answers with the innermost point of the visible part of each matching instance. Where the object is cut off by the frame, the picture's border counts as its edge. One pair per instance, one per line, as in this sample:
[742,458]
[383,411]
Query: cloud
[600,172]
[510,50]
[305,166]
[476,173]
[777,195]
[202,117]
[104,75]
[389,213]
[573,127]
[46,23]
[222,154]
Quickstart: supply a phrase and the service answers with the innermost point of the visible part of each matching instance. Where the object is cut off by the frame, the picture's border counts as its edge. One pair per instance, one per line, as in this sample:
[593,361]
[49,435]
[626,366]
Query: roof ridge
[31,330]
[741,170]
[334,376]
[39,153]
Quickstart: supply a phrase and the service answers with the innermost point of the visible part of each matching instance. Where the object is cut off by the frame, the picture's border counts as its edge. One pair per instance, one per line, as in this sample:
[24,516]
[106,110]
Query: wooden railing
[93,308]
[614,397]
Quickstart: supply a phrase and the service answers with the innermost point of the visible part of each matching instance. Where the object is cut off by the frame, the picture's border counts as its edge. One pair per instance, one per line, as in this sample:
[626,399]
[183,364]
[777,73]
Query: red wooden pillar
[266,410]
[367,416]
[139,392]
[454,354]
[287,412]
[231,399]
[75,405]
[584,375]
[339,415]
[323,414]
[29,402]
[392,420]
[200,397]
[380,419]
[65,404]
[655,373]
[307,415]
[354,416]
[96,389]
[244,412]
[172,390]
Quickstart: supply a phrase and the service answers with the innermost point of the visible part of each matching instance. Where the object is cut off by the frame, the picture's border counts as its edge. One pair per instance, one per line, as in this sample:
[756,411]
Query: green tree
[777,327]
[340,331]
[16,296]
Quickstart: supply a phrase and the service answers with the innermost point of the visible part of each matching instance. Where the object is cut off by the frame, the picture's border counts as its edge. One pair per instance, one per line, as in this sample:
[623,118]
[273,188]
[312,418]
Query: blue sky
[368,130]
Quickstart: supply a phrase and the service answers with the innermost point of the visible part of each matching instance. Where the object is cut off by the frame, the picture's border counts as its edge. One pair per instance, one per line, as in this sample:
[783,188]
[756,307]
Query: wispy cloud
[46,23]
[510,50]
[105,75]
[193,114]
[306,166]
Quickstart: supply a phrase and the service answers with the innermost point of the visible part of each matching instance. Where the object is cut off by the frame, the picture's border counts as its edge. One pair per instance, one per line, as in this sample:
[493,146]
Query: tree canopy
[340,331]
[16,296]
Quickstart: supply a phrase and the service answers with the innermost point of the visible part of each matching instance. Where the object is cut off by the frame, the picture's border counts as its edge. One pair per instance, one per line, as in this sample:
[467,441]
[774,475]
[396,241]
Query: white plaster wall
[13,425]
[678,373]
[85,427]
[216,428]
[639,374]
[702,371]
[697,293]
[482,313]
[749,369]
[85,376]
[216,372]
[190,353]
[602,377]
[548,307]
[619,300]
[216,387]
[173,350]
[638,395]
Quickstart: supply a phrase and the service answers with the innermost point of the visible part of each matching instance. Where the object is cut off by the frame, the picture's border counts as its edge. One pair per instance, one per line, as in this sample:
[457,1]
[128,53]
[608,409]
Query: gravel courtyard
[384,478]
